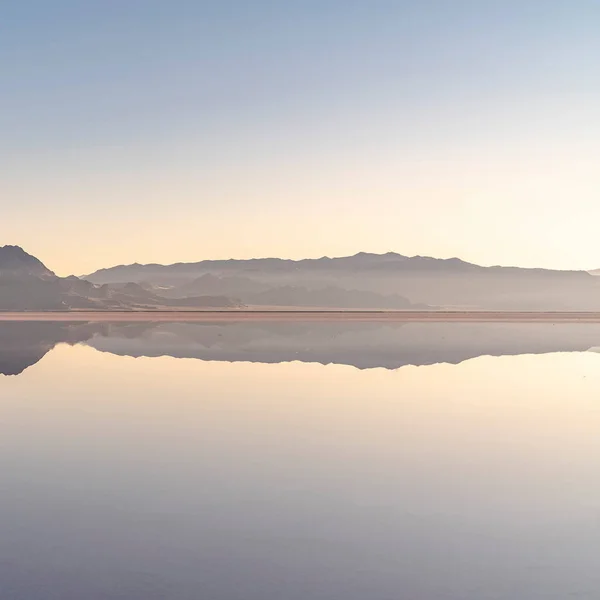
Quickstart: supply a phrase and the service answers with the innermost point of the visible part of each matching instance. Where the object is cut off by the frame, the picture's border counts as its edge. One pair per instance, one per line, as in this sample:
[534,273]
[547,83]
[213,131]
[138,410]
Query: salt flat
[278,315]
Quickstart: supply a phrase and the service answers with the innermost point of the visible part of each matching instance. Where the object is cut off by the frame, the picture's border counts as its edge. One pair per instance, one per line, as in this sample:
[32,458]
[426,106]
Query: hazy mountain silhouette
[361,345]
[27,284]
[364,281]
[14,261]
[328,297]
[419,280]
[218,286]
[260,294]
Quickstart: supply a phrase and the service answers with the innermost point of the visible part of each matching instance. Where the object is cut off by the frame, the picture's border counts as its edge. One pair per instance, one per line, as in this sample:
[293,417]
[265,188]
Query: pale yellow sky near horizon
[486,209]
[196,130]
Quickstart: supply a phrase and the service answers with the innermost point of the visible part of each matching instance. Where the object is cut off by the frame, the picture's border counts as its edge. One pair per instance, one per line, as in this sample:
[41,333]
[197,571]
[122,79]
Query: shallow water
[450,462]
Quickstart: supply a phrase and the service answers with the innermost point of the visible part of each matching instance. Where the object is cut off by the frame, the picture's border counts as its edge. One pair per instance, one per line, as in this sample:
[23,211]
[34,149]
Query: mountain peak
[374,256]
[14,260]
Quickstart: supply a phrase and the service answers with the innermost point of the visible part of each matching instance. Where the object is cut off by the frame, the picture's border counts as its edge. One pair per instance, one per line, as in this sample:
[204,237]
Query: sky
[153,131]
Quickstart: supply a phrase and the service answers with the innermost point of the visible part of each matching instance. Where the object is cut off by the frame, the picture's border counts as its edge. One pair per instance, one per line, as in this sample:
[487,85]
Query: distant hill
[220,286]
[260,294]
[448,283]
[329,297]
[364,281]
[26,284]
[14,261]
[360,263]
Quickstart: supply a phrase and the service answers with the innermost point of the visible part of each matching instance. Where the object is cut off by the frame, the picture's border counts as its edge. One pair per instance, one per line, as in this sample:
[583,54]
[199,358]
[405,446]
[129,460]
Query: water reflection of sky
[155,478]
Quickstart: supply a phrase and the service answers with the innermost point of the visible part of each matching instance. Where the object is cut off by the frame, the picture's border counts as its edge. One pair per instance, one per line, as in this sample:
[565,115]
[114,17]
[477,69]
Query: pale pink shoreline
[312,316]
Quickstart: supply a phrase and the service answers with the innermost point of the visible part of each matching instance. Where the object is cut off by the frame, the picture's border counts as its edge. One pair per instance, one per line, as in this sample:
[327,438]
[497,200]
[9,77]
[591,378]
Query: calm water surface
[387,474]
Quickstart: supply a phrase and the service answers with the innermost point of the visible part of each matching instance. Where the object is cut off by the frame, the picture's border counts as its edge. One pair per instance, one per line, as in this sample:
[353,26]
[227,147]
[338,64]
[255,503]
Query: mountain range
[26,284]
[385,281]
[361,282]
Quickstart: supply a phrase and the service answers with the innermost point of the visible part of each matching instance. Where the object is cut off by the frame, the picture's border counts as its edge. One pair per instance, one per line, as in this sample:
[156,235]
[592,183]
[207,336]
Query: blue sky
[162,131]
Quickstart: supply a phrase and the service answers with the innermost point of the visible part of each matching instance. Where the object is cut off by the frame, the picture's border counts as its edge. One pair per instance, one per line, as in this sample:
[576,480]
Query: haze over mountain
[391,279]
[27,284]
[361,282]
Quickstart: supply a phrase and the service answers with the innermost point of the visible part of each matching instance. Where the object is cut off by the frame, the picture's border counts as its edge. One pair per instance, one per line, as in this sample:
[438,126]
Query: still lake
[299,461]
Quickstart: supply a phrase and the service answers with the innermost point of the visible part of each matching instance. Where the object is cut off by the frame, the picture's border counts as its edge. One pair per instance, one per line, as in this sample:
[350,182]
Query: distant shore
[213,316]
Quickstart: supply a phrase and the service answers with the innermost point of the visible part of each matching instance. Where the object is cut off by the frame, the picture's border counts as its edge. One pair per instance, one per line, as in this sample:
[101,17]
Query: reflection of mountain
[363,345]
[24,344]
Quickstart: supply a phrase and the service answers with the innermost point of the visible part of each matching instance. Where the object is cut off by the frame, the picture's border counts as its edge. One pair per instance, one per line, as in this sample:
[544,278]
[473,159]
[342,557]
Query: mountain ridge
[361,258]
[389,281]
[15,261]
[420,280]
[27,284]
